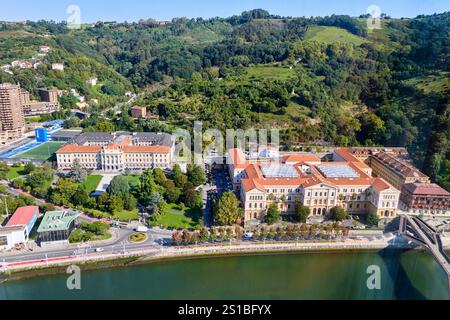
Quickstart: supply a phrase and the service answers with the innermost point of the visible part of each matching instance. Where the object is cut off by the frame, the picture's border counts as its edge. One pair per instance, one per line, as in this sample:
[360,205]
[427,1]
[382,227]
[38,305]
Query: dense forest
[319,79]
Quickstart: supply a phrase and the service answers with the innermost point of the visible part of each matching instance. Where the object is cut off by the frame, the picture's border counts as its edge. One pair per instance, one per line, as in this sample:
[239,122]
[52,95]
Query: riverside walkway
[417,230]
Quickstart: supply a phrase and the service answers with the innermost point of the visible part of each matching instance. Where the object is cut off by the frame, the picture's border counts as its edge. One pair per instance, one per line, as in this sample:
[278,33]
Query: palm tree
[238,232]
[280,232]
[264,233]
[272,233]
[213,234]
[313,231]
[337,229]
[304,230]
[329,231]
[289,232]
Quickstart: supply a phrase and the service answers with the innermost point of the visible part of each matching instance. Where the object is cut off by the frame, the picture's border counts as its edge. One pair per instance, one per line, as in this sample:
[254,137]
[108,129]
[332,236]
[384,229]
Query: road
[156,238]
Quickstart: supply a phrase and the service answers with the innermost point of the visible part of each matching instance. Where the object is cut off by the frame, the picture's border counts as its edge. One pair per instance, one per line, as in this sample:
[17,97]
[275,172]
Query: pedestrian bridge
[415,229]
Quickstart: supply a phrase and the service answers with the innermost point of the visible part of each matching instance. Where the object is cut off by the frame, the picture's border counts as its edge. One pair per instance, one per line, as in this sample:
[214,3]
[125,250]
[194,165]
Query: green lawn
[126,215]
[43,152]
[270,72]
[14,172]
[91,183]
[332,34]
[179,218]
[133,180]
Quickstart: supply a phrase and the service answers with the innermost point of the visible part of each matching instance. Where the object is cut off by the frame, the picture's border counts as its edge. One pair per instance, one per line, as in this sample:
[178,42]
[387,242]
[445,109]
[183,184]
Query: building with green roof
[56,226]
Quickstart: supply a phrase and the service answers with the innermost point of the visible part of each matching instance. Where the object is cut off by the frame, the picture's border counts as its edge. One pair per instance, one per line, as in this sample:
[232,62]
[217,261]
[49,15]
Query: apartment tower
[12,122]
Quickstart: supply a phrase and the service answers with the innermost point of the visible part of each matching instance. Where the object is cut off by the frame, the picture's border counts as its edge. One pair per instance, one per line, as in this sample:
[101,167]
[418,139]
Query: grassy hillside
[331,35]
[436,83]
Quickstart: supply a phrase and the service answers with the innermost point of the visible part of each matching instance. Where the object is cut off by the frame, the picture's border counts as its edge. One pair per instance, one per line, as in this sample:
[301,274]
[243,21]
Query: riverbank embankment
[26,269]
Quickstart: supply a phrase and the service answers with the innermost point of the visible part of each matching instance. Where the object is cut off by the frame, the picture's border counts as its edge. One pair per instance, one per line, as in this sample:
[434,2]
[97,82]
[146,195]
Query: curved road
[156,238]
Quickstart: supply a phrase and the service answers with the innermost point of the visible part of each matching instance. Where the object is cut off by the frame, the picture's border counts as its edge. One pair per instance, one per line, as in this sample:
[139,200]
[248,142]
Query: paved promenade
[156,252]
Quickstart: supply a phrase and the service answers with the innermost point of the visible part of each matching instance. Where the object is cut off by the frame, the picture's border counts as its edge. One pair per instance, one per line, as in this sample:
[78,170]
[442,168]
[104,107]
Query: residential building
[18,229]
[117,152]
[25,216]
[303,179]
[395,170]
[36,108]
[425,198]
[92,81]
[49,95]
[44,49]
[56,226]
[12,121]
[48,104]
[22,64]
[12,236]
[138,112]
[58,66]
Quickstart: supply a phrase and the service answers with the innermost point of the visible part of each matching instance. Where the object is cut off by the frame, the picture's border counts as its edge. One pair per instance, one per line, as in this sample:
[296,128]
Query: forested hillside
[319,79]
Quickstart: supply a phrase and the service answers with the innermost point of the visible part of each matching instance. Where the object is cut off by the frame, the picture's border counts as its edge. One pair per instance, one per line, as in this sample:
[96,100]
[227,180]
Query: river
[404,275]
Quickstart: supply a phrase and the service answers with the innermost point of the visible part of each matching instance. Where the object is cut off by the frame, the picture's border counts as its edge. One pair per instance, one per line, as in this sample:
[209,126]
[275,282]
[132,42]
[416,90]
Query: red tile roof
[380,185]
[238,158]
[431,189]
[146,149]
[95,149]
[23,216]
[402,167]
[298,158]
[70,148]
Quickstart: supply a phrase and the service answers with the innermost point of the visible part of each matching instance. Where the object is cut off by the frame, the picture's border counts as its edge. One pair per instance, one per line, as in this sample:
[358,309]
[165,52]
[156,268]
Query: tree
[115,204]
[204,235]
[372,219]
[118,187]
[39,179]
[80,198]
[129,202]
[338,214]
[159,176]
[273,214]
[4,169]
[213,234]
[192,198]
[172,194]
[155,200]
[145,188]
[196,175]
[97,227]
[239,232]
[302,213]
[226,209]
[179,178]
[64,192]
[78,173]
[177,238]
[18,183]
[28,168]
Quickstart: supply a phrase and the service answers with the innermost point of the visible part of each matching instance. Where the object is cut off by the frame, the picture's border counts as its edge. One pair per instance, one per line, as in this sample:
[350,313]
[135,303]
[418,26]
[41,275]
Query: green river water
[404,275]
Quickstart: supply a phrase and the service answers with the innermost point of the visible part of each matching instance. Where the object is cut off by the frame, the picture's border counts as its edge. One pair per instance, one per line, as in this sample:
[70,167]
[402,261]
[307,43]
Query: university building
[117,152]
[304,179]
[424,198]
[397,171]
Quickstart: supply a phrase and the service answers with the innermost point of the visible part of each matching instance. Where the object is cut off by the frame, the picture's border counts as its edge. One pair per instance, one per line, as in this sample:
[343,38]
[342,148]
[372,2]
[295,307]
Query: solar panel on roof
[338,171]
[279,171]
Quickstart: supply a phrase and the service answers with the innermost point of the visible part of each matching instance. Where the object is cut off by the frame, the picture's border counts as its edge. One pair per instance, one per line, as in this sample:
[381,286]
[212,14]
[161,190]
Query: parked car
[248,235]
